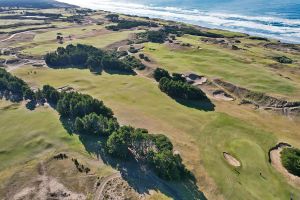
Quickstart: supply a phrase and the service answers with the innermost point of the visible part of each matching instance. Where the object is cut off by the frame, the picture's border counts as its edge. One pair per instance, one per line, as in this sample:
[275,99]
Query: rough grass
[97,41]
[239,131]
[246,69]
[25,134]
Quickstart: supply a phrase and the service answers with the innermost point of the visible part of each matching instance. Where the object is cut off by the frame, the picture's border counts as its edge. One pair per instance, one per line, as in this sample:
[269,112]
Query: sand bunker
[220,94]
[275,158]
[195,79]
[231,160]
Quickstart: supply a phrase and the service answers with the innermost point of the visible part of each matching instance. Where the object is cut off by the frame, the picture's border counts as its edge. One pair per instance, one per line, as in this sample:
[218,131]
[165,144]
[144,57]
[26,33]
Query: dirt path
[13,35]
[276,163]
[99,191]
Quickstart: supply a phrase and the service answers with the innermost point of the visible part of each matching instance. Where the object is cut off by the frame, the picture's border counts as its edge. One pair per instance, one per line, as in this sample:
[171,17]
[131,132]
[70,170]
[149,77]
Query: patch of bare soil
[118,189]
[231,160]
[177,45]
[221,95]
[275,158]
[47,187]
[26,36]
[290,48]
[195,79]
[229,43]
[66,88]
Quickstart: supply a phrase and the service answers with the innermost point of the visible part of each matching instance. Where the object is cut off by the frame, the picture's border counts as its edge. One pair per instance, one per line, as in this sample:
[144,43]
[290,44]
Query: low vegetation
[290,158]
[176,86]
[283,60]
[128,24]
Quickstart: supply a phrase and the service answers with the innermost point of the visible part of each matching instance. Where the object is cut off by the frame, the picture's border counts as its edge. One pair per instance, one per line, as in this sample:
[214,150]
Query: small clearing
[231,160]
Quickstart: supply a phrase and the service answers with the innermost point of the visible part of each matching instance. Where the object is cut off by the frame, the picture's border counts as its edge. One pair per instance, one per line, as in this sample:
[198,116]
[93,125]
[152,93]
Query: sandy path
[13,35]
[276,163]
[99,191]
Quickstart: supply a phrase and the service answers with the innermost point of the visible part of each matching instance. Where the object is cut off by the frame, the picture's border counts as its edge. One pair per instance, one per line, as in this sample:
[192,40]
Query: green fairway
[137,101]
[97,41]
[51,35]
[243,68]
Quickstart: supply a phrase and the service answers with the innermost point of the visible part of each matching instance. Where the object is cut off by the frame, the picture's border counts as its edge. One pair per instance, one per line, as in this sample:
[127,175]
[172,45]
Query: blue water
[278,19]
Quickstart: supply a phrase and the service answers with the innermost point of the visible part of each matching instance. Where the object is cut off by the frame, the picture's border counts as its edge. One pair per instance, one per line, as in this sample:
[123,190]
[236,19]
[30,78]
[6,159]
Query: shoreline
[243,24]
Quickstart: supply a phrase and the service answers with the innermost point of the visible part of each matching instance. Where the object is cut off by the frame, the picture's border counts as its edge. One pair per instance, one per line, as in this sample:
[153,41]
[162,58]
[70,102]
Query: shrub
[283,59]
[167,165]
[182,90]
[160,73]
[290,158]
[156,36]
[73,104]
[96,125]
[118,143]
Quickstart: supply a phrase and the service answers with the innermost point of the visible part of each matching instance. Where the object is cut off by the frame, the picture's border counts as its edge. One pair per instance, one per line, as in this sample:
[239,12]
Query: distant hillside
[33,4]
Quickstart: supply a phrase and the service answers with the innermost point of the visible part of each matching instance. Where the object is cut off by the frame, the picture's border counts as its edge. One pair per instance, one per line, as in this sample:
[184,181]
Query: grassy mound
[290,158]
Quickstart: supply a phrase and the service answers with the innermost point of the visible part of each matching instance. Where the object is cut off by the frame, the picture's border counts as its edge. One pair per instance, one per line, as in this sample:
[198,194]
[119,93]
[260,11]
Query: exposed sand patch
[231,160]
[195,79]
[220,94]
[276,163]
[47,188]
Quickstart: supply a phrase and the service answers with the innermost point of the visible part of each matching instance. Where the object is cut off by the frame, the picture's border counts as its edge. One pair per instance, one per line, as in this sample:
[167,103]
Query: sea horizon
[275,20]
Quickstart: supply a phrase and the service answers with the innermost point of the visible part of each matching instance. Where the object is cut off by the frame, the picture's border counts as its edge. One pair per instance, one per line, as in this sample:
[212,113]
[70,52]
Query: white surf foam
[287,30]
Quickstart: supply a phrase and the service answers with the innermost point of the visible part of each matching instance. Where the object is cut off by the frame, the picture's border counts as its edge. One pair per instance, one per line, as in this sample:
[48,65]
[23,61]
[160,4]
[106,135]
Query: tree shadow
[204,105]
[139,176]
[119,72]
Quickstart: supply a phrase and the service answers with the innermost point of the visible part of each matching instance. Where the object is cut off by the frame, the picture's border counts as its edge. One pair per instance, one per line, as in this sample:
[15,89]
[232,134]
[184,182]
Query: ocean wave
[287,30]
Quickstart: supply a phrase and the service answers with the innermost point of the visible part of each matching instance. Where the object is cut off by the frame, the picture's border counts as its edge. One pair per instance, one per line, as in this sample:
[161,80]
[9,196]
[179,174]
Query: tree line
[90,116]
[92,58]
[176,86]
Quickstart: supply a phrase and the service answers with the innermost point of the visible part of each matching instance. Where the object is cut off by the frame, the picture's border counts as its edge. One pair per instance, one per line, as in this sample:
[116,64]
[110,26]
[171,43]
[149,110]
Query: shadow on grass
[205,105]
[138,175]
[119,72]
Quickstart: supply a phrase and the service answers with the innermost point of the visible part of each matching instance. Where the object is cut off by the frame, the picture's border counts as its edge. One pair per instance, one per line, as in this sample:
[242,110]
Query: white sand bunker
[231,160]
[275,157]
[195,79]
[220,94]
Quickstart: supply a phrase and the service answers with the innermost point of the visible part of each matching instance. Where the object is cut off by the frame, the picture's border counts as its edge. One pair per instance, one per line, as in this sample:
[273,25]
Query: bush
[73,104]
[96,125]
[167,165]
[290,158]
[283,60]
[111,63]
[156,36]
[118,143]
[51,94]
[16,88]
[128,24]
[134,63]
[182,90]
[87,57]
[160,73]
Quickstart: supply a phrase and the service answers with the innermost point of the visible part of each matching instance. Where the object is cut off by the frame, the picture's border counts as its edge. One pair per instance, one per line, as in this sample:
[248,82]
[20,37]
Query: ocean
[278,19]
